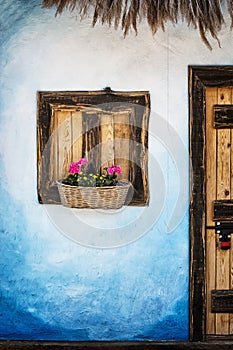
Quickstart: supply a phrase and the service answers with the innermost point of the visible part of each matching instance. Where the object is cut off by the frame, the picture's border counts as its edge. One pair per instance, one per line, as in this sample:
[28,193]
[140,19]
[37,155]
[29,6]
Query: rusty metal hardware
[224,230]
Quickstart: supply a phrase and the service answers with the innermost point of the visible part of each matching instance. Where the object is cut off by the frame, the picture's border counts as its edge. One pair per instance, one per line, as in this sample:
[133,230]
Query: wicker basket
[109,197]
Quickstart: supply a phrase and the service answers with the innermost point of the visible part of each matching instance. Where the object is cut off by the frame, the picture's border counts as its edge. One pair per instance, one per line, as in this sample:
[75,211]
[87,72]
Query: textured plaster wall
[71,275]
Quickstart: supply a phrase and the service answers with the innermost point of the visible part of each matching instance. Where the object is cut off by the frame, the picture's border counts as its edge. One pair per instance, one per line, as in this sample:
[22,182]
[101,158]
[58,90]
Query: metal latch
[224,230]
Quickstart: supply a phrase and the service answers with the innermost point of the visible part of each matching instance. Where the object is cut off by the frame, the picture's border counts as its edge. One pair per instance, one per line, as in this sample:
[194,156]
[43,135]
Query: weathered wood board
[223,116]
[222,301]
[223,210]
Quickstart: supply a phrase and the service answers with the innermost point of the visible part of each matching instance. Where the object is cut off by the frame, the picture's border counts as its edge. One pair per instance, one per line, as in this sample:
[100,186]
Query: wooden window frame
[47,101]
[200,77]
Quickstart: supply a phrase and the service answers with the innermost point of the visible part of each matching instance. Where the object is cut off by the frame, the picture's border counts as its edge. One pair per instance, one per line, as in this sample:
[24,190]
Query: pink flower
[74,168]
[83,161]
[118,169]
[114,169]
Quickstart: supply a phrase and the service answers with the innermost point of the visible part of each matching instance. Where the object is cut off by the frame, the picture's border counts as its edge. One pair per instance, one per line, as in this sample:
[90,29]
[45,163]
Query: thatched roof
[205,15]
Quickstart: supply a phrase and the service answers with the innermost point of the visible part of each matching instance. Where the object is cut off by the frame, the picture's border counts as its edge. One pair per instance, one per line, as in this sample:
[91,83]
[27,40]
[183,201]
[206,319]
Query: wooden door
[219,212]
[211,198]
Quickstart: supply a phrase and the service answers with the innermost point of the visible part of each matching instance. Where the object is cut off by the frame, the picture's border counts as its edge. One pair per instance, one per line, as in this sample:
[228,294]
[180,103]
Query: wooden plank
[121,142]
[64,142]
[220,339]
[197,206]
[231,251]
[211,98]
[144,156]
[107,140]
[91,139]
[136,146]
[223,151]
[76,118]
[223,116]
[53,166]
[222,301]
[231,284]
[224,164]
[223,210]
[223,192]
[210,279]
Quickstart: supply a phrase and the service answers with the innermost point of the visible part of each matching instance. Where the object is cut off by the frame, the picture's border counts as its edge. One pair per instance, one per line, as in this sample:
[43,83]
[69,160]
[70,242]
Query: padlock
[225,240]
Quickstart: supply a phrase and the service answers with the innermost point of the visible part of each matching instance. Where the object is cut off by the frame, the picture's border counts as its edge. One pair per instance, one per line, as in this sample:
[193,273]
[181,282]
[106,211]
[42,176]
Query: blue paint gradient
[125,294]
[54,289]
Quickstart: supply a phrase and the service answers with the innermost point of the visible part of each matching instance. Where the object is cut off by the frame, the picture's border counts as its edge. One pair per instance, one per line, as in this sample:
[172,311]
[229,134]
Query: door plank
[211,98]
[223,192]
[231,250]
[210,278]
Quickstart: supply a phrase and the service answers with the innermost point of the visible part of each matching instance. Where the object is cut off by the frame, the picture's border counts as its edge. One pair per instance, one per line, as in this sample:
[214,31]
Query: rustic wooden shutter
[104,127]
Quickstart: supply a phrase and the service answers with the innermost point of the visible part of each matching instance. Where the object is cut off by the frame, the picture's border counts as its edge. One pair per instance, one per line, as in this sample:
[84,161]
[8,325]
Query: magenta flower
[83,161]
[74,168]
[81,175]
[114,169]
[118,169]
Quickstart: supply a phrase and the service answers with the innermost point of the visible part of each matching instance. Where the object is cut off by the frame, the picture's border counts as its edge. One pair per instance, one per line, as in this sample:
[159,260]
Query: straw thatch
[205,15]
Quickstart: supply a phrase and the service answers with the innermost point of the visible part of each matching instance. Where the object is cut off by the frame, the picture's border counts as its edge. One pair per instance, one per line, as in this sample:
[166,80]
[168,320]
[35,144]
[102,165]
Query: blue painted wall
[71,275]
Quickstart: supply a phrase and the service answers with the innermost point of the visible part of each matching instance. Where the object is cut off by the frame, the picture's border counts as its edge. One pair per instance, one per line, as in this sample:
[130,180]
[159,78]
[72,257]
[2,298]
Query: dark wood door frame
[200,77]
